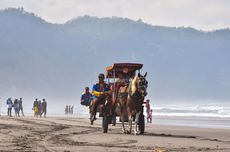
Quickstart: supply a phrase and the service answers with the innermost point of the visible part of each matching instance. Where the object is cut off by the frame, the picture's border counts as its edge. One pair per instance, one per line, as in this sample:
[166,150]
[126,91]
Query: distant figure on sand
[66,110]
[21,107]
[149,116]
[40,108]
[69,109]
[35,108]
[72,110]
[9,106]
[147,106]
[44,107]
[16,107]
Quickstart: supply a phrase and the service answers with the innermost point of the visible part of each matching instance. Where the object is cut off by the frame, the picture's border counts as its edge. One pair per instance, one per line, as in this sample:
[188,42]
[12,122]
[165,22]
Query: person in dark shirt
[16,107]
[21,107]
[44,107]
[35,108]
[86,97]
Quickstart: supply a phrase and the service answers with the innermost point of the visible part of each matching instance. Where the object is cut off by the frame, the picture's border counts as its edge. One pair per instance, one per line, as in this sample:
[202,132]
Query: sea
[202,116]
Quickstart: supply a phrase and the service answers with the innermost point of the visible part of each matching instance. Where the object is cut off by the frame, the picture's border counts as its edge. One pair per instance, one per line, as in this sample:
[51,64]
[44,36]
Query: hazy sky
[201,14]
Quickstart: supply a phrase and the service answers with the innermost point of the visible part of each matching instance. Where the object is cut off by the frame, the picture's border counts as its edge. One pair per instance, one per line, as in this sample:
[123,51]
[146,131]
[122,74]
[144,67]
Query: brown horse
[130,103]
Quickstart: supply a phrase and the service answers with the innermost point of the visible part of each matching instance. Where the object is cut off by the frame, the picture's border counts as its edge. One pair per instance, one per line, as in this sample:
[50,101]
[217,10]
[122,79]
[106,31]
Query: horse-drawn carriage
[126,101]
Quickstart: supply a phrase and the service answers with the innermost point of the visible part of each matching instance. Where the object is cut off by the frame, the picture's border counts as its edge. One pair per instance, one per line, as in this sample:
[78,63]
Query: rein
[136,96]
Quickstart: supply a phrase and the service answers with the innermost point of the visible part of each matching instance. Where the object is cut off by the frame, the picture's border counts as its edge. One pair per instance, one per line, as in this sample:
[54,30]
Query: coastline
[76,134]
[193,121]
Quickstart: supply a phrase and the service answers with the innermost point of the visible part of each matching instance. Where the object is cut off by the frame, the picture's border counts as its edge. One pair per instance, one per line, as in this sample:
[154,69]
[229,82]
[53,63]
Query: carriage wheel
[106,118]
[91,118]
[105,124]
[141,124]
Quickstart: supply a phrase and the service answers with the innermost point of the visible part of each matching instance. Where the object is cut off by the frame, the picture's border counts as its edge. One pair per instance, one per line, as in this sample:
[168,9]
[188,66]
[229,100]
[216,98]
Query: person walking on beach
[44,107]
[66,110]
[9,105]
[71,110]
[21,107]
[147,106]
[149,116]
[40,108]
[16,107]
[35,108]
[0,106]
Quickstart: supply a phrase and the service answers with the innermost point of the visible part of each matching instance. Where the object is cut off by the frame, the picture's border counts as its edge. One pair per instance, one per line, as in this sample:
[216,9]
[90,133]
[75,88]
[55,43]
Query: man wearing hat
[100,91]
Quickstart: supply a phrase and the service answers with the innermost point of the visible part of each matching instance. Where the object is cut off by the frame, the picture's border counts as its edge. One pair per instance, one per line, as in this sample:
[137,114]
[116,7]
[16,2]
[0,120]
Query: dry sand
[76,134]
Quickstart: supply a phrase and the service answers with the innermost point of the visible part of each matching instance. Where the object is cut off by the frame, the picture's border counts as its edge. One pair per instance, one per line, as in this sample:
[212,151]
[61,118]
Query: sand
[66,134]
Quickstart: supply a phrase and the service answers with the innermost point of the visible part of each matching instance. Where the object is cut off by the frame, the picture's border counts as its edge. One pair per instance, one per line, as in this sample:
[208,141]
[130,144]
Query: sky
[199,14]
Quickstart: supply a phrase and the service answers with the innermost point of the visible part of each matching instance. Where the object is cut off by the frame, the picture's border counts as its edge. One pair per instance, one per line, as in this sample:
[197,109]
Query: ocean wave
[201,111]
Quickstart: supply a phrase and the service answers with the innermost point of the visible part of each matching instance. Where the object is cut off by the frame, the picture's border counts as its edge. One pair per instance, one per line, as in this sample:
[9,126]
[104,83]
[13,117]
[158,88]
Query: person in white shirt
[9,103]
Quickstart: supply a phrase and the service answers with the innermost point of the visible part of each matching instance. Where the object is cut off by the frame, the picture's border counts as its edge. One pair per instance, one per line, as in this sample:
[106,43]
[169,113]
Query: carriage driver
[100,91]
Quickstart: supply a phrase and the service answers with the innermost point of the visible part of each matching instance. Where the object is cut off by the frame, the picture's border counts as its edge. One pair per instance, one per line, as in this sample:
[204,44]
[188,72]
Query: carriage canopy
[127,69]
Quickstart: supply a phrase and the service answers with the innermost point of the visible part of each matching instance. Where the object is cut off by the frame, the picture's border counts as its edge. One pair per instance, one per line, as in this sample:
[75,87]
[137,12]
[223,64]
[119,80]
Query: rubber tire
[91,117]
[141,124]
[105,124]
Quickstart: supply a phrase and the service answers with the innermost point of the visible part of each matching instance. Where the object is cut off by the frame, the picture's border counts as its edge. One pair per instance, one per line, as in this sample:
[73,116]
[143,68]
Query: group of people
[39,108]
[68,109]
[17,105]
[99,92]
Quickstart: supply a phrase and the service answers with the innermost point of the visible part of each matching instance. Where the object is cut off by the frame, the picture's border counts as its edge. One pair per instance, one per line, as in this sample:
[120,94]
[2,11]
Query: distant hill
[38,58]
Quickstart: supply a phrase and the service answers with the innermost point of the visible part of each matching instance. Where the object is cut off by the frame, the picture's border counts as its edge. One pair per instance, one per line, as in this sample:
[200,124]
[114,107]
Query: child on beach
[149,116]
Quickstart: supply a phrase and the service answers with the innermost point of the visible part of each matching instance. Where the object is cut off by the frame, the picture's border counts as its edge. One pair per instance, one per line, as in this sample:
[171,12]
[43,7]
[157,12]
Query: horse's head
[140,84]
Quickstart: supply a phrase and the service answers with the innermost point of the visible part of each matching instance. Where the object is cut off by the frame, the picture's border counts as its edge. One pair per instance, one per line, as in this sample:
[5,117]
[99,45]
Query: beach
[76,134]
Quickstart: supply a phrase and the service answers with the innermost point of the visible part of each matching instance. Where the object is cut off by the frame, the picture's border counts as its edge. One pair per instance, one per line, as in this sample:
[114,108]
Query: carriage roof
[127,69]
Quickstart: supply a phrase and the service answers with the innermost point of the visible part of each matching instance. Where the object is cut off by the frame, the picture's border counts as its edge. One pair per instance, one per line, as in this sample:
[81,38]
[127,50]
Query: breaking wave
[200,111]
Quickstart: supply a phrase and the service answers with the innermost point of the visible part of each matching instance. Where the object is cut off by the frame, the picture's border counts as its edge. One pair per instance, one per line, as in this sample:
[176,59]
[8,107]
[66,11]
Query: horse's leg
[136,130]
[129,111]
[123,124]
[130,124]
[120,111]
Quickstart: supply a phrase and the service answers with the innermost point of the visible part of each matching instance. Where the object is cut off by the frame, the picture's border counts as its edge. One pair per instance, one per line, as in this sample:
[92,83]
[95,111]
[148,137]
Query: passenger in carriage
[121,81]
[86,97]
[100,91]
[121,84]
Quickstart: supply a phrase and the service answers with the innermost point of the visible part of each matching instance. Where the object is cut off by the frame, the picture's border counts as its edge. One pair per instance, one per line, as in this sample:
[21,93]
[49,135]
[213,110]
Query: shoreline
[185,121]
[76,134]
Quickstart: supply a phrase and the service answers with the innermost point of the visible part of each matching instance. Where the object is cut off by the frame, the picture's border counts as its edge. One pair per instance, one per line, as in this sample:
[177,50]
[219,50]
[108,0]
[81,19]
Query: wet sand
[67,134]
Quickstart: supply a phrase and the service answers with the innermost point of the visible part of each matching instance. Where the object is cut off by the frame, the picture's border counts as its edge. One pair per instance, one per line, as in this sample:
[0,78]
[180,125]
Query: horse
[130,102]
